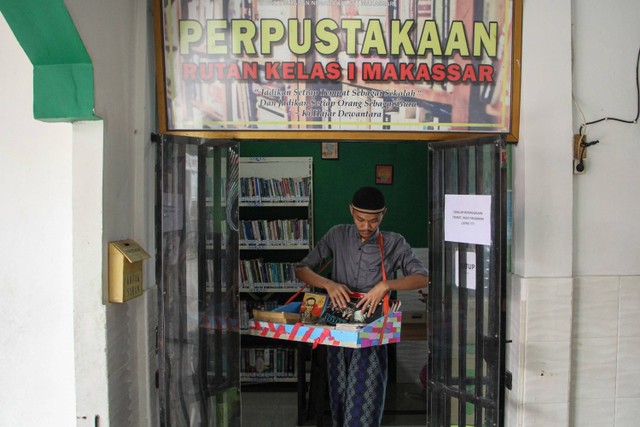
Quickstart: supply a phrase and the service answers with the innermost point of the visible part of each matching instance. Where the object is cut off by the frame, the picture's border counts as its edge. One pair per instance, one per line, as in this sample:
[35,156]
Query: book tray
[275,325]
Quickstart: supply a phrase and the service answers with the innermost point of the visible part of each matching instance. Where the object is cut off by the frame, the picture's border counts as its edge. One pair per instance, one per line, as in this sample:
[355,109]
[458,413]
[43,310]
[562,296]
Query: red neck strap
[385,305]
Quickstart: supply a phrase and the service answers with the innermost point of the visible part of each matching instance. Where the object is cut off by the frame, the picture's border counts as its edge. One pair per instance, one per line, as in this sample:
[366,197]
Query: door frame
[195,321]
[450,165]
[435,221]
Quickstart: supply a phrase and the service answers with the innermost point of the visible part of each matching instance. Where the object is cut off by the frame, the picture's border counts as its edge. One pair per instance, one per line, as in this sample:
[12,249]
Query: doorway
[193,398]
[467,289]
[353,165]
[197,262]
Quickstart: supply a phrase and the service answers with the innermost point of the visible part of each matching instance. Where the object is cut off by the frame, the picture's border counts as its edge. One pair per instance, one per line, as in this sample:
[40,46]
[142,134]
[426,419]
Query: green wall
[336,180]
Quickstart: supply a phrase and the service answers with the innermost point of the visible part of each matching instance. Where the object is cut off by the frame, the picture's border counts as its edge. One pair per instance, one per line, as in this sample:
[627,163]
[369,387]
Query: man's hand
[339,293]
[371,299]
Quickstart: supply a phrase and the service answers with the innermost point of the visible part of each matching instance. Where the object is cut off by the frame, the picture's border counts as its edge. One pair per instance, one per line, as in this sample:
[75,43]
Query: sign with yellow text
[370,65]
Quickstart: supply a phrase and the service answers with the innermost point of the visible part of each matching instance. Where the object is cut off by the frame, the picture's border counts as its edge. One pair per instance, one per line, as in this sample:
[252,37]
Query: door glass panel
[198,340]
[467,283]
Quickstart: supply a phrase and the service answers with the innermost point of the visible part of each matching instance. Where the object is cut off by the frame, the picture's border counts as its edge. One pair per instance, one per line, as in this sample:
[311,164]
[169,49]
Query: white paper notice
[470,268]
[172,211]
[467,219]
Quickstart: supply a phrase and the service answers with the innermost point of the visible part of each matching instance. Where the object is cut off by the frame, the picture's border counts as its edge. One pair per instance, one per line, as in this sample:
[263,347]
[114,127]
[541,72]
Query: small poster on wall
[384,174]
[329,150]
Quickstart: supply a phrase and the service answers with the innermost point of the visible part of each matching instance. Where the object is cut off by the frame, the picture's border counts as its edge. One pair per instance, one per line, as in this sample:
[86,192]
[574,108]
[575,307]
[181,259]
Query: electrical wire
[583,127]
[635,120]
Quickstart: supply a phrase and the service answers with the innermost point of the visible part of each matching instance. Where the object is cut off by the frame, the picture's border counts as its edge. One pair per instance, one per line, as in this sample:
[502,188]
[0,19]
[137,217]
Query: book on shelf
[267,363]
[271,190]
[257,274]
[279,232]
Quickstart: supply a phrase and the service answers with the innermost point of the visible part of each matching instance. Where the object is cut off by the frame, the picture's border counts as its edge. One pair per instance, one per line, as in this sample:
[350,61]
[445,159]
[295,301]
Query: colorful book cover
[334,315]
[312,306]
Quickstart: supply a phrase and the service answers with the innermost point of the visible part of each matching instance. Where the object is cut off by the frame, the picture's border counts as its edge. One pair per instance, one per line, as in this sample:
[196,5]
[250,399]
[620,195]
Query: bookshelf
[276,209]
[268,364]
[275,232]
[276,213]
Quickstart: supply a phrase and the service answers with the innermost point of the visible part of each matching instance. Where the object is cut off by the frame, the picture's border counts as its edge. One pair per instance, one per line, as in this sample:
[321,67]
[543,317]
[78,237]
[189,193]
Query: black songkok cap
[368,200]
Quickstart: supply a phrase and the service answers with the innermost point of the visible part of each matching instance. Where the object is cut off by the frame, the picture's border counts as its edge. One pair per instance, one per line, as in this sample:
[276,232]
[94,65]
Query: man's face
[366,223]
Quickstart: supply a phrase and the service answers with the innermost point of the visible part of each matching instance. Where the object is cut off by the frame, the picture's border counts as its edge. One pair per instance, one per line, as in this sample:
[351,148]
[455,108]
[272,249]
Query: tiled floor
[269,409]
[405,407]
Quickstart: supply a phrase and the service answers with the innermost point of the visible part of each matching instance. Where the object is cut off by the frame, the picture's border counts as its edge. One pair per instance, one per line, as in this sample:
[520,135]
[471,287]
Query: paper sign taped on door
[467,219]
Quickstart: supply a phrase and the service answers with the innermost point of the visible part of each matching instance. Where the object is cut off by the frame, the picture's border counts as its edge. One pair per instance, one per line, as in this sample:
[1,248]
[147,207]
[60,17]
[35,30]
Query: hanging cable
[583,127]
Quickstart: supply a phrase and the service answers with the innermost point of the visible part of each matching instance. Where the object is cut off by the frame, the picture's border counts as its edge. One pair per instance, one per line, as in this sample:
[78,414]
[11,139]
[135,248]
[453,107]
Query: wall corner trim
[63,87]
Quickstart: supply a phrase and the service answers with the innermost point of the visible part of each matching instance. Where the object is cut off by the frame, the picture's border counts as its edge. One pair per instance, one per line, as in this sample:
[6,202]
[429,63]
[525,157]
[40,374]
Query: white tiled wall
[627,402]
[606,352]
[548,309]
[595,340]
[575,353]
[596,307]
[547,359]
[540,352]
[629,306]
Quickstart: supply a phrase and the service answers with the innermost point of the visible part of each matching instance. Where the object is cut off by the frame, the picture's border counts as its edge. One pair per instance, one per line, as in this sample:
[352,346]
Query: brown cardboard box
[125,270]
[277,316]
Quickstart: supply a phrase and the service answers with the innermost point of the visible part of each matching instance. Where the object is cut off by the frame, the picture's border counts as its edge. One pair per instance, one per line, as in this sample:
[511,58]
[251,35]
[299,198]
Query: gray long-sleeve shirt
[358,265]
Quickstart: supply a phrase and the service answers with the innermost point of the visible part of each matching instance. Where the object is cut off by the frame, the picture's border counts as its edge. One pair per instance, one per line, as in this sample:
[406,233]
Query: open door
[197,264]
[466,308]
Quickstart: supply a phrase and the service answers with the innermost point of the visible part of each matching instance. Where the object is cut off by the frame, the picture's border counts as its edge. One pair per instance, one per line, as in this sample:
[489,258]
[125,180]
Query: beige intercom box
[125,270]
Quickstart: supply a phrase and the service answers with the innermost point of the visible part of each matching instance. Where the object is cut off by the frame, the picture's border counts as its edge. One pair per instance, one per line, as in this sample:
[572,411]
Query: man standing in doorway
[358,377]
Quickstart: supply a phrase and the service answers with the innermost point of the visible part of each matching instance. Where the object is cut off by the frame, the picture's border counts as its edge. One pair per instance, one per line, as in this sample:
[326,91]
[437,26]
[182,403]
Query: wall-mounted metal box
[125,270]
